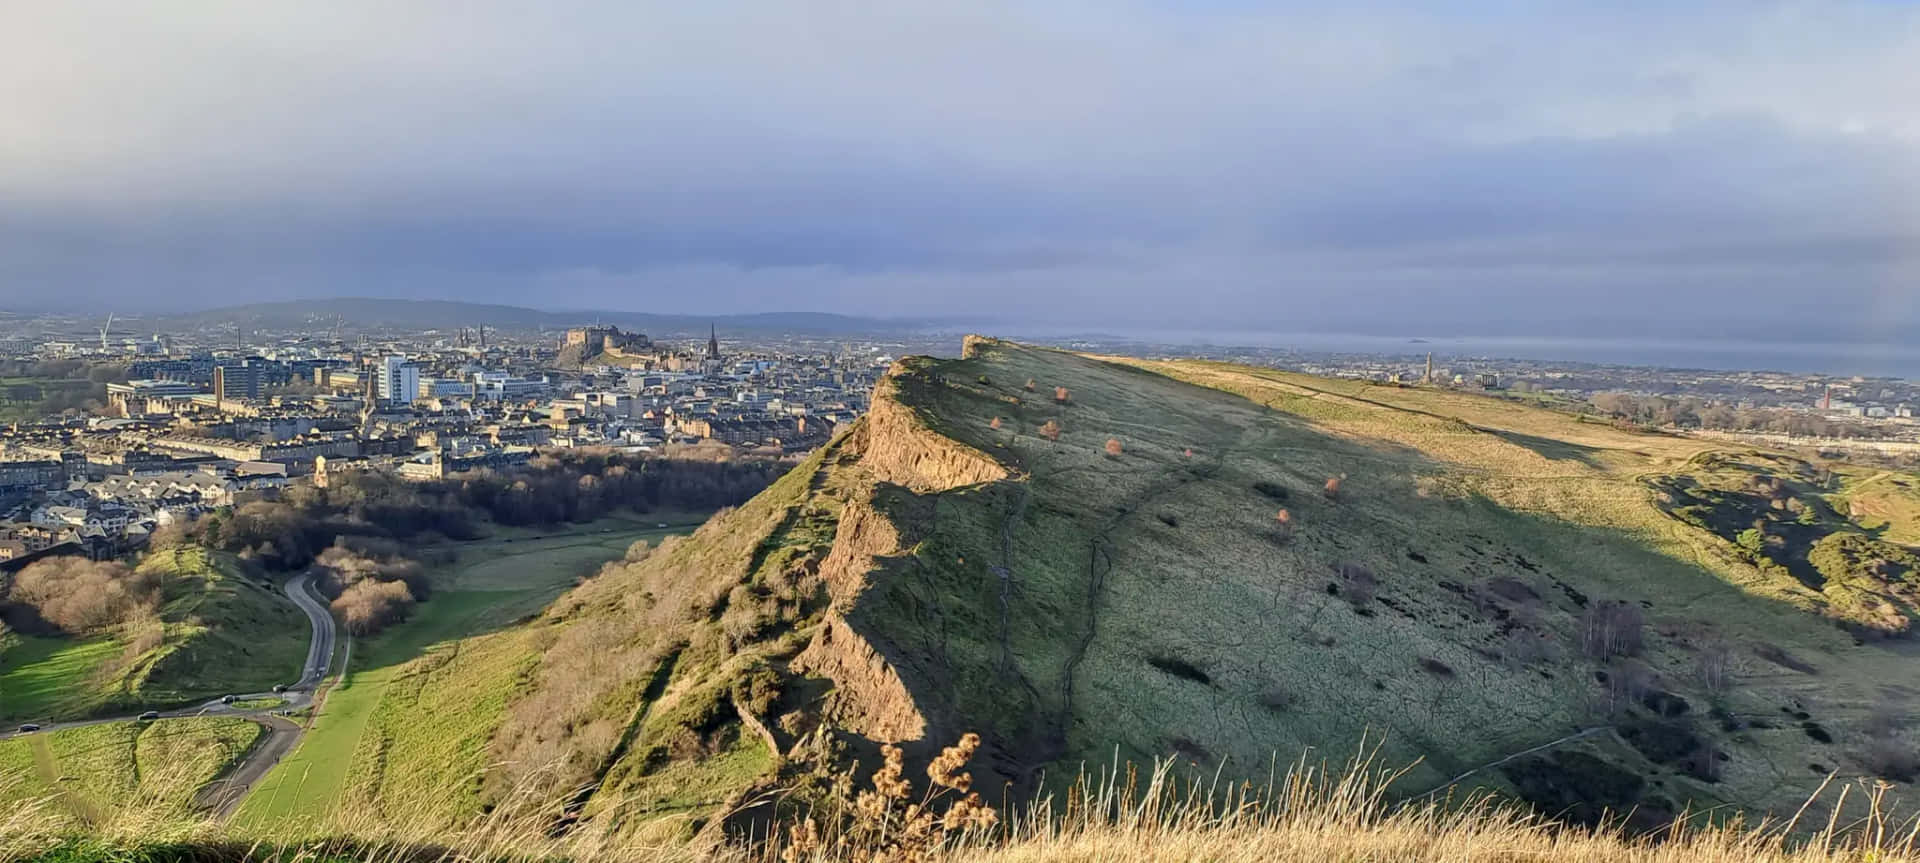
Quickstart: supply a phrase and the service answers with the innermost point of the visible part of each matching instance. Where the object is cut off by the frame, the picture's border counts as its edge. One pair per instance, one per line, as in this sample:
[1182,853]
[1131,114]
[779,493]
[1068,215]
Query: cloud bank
[1728,169]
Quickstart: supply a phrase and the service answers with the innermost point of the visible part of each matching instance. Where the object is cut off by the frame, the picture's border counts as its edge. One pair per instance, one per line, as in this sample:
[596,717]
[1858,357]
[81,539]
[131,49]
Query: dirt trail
[1577,735]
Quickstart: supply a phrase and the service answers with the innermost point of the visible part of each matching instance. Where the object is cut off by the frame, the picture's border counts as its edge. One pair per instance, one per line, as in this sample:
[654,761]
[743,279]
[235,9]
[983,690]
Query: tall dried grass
[1308,813]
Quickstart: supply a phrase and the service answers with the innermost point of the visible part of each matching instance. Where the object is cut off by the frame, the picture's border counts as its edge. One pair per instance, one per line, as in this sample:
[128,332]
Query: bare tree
[1050,430]
[1610,628]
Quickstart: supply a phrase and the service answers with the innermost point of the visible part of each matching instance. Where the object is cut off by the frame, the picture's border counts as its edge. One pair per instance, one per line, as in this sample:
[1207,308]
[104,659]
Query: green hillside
[85,775]
[217,632]
[1497,593]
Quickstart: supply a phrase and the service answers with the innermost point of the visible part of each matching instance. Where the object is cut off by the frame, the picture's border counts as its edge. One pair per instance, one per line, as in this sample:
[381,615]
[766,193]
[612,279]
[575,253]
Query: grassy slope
[221,632]
[91,770]
[1216,642]
[36,674]
[1146,605]
[413,719]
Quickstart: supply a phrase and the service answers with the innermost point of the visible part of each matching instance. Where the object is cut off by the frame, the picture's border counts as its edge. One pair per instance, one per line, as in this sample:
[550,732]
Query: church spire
[713,342]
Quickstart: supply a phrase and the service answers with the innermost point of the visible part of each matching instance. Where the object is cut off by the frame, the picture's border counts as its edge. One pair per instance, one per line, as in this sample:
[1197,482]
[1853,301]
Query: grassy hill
[1510,598]
[1217,568]
[217,632]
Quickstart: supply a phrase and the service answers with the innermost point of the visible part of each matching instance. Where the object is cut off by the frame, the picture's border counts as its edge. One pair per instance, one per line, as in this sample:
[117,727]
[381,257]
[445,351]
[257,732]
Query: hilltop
[1504,597]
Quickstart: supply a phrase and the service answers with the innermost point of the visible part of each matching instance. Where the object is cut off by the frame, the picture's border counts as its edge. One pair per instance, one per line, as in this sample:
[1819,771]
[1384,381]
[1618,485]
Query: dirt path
[1577,735]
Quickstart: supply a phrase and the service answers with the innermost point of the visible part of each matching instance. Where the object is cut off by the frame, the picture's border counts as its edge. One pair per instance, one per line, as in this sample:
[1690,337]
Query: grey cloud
[1363,166]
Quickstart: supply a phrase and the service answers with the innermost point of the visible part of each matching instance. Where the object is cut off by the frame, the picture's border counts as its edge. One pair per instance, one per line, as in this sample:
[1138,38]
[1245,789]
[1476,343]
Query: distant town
[115,429]
[107,439]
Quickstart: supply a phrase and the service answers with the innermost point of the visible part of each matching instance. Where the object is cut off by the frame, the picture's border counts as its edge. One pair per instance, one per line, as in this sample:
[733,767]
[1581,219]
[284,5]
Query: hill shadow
[1549,448]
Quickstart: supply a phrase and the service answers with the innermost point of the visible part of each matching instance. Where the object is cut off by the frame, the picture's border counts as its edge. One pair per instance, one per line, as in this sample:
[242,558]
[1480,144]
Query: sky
[1702,170]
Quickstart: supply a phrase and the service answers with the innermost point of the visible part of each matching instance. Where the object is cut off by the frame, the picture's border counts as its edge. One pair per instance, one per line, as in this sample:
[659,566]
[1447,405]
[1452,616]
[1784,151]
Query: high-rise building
[399,380]
[236,381]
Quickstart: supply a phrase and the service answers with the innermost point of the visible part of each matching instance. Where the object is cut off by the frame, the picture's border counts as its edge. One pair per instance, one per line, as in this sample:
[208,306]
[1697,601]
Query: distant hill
[1505,597]
[446,314]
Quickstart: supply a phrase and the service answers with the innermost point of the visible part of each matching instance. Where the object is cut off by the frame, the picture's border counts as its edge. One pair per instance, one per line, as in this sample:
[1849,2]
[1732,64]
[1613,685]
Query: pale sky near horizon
[1727,168]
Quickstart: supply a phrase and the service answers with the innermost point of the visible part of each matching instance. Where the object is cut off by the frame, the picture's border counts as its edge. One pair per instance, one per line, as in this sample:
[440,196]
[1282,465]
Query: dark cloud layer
[1730,169]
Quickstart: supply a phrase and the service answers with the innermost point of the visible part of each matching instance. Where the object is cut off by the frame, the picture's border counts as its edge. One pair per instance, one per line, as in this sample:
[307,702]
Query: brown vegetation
[75,595]
[1050,430]
[1332,488]
[1061,395]
[370,606]
[1113,447]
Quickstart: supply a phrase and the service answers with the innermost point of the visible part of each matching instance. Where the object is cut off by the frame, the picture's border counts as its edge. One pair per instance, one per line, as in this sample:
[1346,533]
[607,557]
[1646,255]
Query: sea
[1872,360]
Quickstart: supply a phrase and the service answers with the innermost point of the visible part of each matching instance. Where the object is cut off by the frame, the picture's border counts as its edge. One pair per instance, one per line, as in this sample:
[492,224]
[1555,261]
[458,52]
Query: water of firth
[1831,358]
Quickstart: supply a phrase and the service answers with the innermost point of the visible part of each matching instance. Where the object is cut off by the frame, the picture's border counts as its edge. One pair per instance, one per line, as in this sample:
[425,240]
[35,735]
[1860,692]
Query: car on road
[150,716]
[29,728]
[226,699]
[279,687]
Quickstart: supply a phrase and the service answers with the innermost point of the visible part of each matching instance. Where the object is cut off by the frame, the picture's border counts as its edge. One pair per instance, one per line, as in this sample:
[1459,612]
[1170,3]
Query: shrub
[995,425]
[76,595]
[1357,584]
[1113,447]
[1061,395]
[1050,430]
[367,607]
[1030,385]
[1890,759]
[1332,488]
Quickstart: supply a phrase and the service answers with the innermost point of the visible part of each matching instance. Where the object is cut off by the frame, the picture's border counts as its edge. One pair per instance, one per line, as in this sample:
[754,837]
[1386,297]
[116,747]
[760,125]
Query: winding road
[224,794]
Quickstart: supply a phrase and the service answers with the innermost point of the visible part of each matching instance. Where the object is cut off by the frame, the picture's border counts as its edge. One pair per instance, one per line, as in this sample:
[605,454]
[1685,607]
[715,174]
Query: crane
[103,332]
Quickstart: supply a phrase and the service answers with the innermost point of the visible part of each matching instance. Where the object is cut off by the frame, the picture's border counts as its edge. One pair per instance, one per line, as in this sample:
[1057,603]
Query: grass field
[38,674]
[421,699]
[89,771]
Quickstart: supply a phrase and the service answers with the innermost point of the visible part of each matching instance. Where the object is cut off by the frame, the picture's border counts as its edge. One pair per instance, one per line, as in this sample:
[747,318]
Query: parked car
[29,728]
[226,699]
[150,716]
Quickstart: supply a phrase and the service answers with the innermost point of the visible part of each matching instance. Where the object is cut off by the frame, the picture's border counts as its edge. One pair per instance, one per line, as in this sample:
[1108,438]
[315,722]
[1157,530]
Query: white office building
[399,380]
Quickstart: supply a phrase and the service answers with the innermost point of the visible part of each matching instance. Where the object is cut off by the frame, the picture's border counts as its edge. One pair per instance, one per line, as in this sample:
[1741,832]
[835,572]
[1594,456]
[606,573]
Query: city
[188,425]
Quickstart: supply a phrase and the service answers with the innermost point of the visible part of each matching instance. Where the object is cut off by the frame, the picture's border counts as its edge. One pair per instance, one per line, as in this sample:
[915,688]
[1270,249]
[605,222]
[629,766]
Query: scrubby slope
[1498,590]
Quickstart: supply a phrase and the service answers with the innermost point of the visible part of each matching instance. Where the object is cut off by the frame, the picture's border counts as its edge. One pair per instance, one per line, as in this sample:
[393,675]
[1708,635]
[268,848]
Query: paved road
[282,733]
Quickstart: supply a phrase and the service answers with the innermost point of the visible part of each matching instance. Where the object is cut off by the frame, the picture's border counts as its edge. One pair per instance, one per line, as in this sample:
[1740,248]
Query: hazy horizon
[1731,170]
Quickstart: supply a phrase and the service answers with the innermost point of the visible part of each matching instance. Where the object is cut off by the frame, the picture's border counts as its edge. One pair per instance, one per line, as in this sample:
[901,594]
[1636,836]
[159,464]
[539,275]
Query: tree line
[558,488]
[1686,412]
